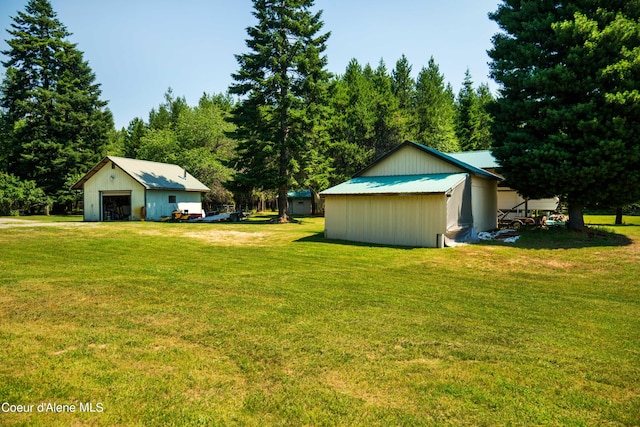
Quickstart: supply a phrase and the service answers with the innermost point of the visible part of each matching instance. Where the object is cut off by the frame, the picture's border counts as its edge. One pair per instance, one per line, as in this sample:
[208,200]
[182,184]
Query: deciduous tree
[193,137]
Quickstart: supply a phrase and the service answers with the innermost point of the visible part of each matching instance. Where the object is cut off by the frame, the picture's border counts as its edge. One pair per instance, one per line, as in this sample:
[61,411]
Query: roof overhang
[80,184]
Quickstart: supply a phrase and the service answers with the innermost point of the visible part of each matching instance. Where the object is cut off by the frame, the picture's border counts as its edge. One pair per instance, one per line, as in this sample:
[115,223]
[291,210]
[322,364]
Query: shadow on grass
[319,238]
[562,238]
[535,238]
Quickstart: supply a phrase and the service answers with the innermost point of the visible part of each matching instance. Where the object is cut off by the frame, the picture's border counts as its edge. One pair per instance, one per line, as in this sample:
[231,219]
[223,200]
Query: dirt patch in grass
[227,237]
[545,263]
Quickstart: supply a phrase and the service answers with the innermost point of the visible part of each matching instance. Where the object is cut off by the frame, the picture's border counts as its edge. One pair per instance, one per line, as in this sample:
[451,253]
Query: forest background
[292,124]
[372,108]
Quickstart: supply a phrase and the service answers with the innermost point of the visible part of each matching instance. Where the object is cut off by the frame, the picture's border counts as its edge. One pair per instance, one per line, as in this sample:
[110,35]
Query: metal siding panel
[158,203]
[299,206]
[137,203]
[91,206]
[484,196]
[389,220]
[411,161]
[335,217]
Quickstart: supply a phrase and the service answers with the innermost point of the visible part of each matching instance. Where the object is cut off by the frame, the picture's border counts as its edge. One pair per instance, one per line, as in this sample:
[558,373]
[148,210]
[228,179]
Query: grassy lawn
[260,324]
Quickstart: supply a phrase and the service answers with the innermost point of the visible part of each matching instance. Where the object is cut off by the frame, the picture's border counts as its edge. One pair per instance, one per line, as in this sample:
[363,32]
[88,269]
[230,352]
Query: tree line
[564,121]
[55,127]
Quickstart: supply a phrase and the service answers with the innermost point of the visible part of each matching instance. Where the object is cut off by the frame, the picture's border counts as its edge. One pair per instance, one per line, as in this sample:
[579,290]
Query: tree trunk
[619,216]
[284,148]
[282,204]
[576,216]
[314,205]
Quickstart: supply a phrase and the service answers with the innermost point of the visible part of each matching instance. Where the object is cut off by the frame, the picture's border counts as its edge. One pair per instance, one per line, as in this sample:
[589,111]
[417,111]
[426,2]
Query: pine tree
[473,121]
[54,124]
[403,84]
[352,122]
[466,103]
[483,138]
[284,84]
[134,134]
[388,131]
[434,113]
[168,113]
[566,122]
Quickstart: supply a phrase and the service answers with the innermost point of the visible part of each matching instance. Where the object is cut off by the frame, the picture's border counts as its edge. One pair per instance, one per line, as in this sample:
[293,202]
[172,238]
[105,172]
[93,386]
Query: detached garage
[412,196]
[121,189]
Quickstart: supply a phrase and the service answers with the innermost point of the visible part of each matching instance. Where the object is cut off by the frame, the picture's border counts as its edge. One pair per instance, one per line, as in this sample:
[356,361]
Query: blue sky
[139,48]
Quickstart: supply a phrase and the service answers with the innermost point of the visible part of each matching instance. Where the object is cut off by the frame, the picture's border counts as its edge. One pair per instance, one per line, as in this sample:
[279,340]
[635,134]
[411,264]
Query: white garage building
[121,189]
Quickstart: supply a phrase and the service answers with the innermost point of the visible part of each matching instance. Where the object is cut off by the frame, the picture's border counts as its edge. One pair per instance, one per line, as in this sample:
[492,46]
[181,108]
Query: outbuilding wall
[112,179]
[410,161]
[412,220]
[158,203]
[299,206]
[484,202]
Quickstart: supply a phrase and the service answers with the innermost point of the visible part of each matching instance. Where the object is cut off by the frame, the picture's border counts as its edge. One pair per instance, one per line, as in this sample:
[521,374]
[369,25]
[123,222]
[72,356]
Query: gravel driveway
[10,223]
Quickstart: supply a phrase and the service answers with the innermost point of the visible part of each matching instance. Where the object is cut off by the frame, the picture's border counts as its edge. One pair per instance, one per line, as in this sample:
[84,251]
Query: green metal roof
[400,184]
[300,194]
[481,159]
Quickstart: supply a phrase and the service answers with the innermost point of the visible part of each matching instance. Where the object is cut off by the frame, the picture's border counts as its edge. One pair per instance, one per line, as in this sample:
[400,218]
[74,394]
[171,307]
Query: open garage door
[116,205]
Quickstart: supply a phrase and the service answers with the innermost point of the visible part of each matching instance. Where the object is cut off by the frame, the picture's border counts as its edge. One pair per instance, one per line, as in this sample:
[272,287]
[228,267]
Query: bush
[18,196]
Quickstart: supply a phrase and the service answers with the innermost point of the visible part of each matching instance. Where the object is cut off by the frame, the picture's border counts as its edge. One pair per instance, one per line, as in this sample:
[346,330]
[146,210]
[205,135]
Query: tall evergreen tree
[434,113]
[466,104]
[283,82]
[351,123]
[168,113]
[132,140]
[403,87]
[473,121]
[388,123]
[54,124]
[483,138]
[566,121]
[403,84]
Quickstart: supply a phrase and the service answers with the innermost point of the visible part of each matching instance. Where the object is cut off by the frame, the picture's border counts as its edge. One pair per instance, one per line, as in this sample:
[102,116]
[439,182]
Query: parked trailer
[506,220]
[224,217]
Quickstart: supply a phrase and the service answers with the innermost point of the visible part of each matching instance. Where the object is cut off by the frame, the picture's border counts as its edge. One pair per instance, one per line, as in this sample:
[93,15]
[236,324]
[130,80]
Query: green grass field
[260,324]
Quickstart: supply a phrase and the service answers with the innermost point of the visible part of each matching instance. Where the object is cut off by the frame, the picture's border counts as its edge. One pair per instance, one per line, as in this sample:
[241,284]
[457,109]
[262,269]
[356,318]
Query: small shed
[413,195]
[300,202]
[121,189]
